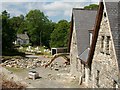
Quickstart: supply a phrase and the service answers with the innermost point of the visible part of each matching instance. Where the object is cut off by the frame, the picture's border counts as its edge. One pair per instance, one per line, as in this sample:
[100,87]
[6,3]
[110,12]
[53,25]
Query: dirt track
[56,77]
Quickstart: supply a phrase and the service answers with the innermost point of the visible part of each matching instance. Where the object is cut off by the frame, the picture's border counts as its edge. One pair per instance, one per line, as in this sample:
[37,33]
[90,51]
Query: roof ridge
[84,9]
[78,9]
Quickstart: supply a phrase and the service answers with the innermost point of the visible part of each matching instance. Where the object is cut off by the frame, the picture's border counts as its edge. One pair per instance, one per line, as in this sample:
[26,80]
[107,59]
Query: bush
[26,45]
[12,52]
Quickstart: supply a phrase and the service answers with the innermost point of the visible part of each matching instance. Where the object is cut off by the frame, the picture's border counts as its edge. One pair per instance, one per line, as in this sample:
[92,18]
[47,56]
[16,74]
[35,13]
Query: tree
[38,26]
[8,33]
[92,7]
[18,23]
[48,29]
[0,34]
[59,36]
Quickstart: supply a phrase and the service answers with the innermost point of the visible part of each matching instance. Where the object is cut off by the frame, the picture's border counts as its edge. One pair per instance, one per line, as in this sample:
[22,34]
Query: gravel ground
[56,77]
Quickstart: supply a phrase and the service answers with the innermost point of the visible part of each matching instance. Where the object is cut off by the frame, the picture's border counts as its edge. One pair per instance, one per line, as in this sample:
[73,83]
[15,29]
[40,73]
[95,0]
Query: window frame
[102,42]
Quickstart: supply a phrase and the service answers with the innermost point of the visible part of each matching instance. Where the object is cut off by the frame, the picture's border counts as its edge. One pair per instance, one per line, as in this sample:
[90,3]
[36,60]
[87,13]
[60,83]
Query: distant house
[104,56]
[82,26]
[22,39]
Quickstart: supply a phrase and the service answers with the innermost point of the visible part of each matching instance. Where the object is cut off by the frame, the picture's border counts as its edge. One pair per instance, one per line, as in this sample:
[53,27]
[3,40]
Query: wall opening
[115,85]
[105,14]
[108,45]
[97,78]
[102,44]
[90,36]
[83,72]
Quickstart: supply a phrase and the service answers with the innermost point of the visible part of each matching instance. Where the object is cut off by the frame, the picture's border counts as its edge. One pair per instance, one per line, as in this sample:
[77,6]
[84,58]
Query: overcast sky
[54,9]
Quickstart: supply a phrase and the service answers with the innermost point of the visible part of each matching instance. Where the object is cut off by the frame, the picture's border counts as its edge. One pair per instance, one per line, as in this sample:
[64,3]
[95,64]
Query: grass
[8,57]
[15,70]
[41,48]
[12,53]
[22,50]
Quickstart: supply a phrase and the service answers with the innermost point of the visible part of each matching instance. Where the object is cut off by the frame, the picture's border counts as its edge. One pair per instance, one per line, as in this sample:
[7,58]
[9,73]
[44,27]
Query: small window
[108,45]
[18,42]
[102,43]
[74,43]
[84,73]
[90,37]
[24,41]
[74,40]
[115,85]
[90,75]
[105,14]
[105,19]
[97,78]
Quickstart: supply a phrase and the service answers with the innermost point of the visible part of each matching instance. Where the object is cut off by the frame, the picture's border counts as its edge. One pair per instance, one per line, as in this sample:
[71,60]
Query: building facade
[98,66]
[105,70]
[22,39]
[81,33]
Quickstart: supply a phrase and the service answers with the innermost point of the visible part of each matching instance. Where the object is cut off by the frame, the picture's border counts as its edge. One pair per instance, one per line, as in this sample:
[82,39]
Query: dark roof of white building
[22,36]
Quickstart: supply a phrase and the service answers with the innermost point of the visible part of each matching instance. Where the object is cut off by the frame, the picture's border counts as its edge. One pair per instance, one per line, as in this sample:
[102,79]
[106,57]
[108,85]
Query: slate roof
[113,11]
[84,55]
[22,36]
[84,21]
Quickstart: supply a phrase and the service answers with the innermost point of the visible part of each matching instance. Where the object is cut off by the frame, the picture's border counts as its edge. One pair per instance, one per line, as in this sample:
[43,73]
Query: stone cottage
[22,39]
[82,24]
[104,55]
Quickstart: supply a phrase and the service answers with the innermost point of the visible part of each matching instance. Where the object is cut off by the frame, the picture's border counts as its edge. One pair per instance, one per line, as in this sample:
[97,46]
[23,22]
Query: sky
[55,9]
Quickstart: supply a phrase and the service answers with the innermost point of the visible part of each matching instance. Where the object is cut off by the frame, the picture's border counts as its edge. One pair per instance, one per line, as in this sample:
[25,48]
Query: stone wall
[77,68]
[74,62]
[104,66]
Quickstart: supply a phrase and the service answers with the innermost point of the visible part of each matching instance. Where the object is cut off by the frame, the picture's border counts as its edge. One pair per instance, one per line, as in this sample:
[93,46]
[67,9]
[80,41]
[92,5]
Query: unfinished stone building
[80,39]
[104,56]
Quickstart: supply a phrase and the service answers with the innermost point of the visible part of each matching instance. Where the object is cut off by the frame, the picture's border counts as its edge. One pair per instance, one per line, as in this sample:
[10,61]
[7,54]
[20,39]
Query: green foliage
[59,36]
[0,34]
[39,27]
[26,45]
[12,52]
[8,32]
[91,7]
[16,22]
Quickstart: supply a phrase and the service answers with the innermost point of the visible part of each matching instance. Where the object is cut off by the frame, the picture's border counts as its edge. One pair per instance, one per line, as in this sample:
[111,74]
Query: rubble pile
[32,63]
[24,63]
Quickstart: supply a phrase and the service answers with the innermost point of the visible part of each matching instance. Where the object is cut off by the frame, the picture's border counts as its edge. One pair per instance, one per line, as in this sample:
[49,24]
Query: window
[84,73]
[115,85]
[90,37]
[107,45]
[90,75]
[97,78]
[24,41]
[74,43]
[104,14]
[102,44]
[18,42]
[74,40]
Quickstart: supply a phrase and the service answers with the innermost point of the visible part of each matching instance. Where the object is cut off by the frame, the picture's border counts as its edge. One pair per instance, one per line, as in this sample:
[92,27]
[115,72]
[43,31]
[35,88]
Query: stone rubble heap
[24,63]
[31,63]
